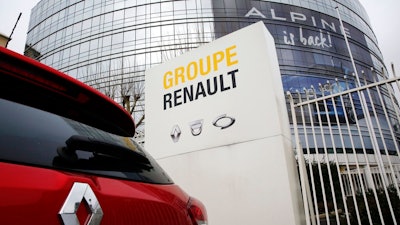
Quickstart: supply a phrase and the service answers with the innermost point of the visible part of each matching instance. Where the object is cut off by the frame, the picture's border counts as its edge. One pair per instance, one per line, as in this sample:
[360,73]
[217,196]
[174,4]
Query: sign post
[216,120]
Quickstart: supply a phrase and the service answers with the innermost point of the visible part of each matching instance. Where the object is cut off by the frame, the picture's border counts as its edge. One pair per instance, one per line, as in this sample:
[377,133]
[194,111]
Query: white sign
[216,120]
[211,96]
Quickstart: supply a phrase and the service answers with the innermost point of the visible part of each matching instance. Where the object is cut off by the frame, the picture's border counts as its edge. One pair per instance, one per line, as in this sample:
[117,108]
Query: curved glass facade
[107,43]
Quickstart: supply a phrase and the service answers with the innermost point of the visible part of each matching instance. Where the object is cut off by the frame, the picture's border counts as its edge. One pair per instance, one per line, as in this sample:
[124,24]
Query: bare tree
[123,79]
[132,94]
[119,82]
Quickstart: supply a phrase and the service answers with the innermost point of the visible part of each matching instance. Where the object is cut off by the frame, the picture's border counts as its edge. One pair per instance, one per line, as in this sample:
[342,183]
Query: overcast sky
[384,16]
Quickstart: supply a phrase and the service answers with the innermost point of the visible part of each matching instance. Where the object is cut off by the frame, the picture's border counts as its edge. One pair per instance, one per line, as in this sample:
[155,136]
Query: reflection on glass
[86,38]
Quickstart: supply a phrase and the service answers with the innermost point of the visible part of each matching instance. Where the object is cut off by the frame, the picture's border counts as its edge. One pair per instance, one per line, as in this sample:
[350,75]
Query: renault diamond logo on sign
[176,133]
[80,193]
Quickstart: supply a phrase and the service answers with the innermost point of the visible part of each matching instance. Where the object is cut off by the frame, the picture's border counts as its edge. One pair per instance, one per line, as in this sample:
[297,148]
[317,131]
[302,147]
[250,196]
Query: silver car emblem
[175,133]
[78,193]
[196,127]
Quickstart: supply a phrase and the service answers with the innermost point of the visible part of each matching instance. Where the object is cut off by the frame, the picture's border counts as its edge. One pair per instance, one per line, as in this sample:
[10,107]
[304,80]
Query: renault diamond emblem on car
[81,192]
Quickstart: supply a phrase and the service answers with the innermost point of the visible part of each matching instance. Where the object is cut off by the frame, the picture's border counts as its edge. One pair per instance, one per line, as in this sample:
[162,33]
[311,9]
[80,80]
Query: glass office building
[110,43]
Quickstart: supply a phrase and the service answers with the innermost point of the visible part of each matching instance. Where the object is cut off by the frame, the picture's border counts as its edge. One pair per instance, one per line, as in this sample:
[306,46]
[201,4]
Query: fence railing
[347,148]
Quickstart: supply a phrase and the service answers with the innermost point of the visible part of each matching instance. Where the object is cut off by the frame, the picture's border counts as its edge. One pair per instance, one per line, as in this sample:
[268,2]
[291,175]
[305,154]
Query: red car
[67,156]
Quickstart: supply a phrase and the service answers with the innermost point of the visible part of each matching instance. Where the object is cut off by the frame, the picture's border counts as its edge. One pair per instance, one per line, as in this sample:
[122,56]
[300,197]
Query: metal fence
[347,149]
